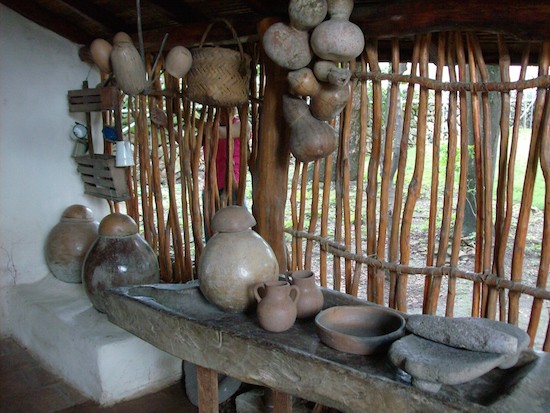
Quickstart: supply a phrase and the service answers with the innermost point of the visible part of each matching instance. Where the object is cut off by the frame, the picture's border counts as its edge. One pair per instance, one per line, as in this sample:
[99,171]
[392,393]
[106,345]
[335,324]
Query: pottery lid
[232,218]
[117,225]
[78,212]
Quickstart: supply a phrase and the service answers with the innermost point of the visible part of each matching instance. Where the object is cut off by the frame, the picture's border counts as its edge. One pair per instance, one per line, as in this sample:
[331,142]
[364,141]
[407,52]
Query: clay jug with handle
[276,305]
[311,297]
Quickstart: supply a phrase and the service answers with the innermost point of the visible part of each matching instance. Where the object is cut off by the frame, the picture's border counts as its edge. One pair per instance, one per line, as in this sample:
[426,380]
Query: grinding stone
[428,361]
[466,333]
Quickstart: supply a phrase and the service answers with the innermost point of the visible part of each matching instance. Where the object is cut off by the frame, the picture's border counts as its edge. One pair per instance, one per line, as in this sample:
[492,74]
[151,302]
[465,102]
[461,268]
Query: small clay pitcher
[311,297]
[276,305]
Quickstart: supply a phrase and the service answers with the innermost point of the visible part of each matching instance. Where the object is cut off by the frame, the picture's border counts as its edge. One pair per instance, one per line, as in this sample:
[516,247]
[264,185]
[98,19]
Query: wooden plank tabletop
[177,319]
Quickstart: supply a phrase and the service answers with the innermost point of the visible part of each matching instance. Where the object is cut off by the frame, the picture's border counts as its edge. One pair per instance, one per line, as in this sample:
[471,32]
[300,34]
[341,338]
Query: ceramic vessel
[311,298]
[338,39]
[119,257]
[69,241]
[310,138]
[359,329]
[276,305]
[234,260]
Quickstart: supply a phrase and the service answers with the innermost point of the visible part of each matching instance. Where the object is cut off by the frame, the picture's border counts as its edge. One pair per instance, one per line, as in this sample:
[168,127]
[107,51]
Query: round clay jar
[234,260]
[119,257]
[69,241]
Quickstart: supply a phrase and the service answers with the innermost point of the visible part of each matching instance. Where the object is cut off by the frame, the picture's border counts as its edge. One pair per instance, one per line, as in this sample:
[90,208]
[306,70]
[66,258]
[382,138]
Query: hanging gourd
[338,39]
[327,99]
[100,49]
[128,67]
[178,61]
[310,138]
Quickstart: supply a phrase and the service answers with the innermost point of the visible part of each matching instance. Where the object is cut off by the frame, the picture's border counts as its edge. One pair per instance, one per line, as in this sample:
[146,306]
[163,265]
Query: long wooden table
[177,319]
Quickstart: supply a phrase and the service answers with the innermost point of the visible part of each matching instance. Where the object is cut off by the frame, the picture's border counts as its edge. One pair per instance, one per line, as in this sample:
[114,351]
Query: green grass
[519,172]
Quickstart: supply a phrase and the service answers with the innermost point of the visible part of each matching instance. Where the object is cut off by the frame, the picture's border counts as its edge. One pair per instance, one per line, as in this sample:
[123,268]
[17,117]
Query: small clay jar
[119,257]
[276,305]
[311,297]
[234,260]
[69,241]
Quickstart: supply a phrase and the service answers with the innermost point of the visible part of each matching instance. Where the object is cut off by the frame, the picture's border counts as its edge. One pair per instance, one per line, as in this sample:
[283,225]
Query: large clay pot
[234,260]
[311,297]
[119,257]
[69,241]
[310,138]
[276,305]
[338,39]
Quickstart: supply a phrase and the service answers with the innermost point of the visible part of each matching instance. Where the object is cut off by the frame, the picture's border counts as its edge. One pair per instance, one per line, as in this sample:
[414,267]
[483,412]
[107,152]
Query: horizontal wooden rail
[490,280]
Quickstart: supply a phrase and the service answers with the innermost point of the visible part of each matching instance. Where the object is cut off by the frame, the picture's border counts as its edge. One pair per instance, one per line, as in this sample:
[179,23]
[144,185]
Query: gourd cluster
[313,50]
[124,61]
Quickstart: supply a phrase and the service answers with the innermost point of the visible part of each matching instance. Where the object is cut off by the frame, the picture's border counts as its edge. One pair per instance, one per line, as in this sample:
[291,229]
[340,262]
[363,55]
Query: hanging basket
[219,76]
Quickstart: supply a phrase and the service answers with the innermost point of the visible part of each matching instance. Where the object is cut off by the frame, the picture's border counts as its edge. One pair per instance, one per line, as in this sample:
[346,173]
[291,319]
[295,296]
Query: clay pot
[310,138]
[128,67]
[69,241]
[287,46]
[178,61]
[119,257]
[276,305]
[234,260]
[306,14]
[311,297]
[338,39]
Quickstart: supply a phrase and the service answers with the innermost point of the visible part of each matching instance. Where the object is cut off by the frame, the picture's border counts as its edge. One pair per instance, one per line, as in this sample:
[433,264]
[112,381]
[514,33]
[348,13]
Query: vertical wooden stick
[398,199]
[510,178]
[376,293]
[462,185]
[528,186]
[544,265]
[476,122]
[498,260]
[416,182]
[432,220]
[359,190]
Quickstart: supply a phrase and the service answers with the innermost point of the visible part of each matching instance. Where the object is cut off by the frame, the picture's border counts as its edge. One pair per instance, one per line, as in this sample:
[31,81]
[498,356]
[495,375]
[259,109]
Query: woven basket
[219,76]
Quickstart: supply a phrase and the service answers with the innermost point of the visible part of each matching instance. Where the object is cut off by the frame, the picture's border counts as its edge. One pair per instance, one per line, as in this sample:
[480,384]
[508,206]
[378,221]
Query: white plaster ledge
[57,323]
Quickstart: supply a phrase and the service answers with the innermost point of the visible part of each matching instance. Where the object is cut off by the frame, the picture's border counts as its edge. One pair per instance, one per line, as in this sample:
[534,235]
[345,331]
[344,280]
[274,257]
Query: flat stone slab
[430,362]
[469,333]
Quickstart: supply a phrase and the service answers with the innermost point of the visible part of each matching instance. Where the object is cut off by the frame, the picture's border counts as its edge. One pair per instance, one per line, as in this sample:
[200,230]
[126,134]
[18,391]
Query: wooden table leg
[207,384]
[282,402]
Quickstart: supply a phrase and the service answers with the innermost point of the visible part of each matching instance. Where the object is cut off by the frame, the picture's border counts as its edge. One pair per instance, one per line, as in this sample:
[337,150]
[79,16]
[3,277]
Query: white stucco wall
[38,177]
[38,180]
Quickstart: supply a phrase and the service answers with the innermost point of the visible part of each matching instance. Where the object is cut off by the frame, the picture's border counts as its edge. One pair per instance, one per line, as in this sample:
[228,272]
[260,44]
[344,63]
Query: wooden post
[270,169]
[282,402]
[207,383]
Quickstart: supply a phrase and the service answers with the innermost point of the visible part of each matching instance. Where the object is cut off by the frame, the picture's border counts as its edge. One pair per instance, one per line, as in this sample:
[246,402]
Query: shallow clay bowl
[359,329]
